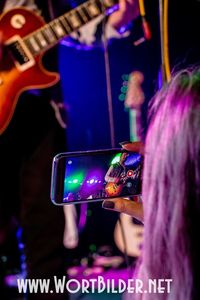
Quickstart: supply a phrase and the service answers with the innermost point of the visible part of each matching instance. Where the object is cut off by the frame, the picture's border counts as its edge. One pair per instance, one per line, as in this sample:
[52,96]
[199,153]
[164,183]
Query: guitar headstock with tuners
[135,95]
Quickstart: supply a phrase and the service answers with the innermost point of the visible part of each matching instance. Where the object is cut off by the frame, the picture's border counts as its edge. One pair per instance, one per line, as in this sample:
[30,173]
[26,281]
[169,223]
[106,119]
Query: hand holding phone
[88,176]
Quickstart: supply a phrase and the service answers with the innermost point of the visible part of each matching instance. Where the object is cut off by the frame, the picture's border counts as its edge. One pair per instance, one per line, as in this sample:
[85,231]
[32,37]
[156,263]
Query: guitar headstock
[135,95]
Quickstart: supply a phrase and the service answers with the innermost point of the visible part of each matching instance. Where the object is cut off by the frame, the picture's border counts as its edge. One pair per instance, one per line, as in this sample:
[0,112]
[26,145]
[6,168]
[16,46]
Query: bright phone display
[87,176]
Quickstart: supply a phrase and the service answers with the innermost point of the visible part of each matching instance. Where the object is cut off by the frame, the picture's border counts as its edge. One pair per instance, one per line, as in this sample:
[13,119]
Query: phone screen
[92,176]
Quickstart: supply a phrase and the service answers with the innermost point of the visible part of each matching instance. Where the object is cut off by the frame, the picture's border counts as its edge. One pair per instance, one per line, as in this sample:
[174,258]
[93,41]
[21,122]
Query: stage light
[116,159]
[93,181]
[74,181]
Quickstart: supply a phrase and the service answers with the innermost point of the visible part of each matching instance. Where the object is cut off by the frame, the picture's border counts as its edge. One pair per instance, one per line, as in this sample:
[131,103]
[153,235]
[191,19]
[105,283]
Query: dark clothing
[27,148]
[184,45]
[26,151]
[184,42]
[55,9]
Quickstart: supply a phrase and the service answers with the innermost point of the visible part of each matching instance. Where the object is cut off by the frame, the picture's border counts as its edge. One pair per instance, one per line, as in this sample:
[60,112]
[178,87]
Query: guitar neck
[50,34]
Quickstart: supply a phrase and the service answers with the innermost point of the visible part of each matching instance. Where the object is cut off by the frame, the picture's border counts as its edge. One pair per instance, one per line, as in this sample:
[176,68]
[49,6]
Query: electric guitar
[26,37]
[114,189]
[134,99]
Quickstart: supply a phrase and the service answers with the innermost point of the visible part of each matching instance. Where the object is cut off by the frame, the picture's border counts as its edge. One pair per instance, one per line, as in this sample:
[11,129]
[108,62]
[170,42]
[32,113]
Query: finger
[134,209]
[134,147]
[122,4]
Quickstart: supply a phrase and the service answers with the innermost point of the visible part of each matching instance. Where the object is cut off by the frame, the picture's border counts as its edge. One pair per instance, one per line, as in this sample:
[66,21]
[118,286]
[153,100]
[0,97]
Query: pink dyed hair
[171,190]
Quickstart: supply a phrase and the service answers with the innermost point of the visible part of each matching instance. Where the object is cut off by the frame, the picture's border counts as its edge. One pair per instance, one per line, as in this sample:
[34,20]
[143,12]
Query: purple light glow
[113,274]
[92,183]
[112,9]
[83,217]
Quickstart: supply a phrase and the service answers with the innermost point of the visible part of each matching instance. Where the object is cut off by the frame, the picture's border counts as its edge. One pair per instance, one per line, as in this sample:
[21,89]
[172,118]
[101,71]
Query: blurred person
[35,134]
[170,207]
[116,170]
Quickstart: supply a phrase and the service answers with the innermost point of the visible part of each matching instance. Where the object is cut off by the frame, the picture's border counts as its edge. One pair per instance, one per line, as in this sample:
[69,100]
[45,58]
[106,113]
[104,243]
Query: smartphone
[87,176]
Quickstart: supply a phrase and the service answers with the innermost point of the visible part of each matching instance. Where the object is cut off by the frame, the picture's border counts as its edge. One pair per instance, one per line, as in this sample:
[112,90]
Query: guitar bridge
[20,53]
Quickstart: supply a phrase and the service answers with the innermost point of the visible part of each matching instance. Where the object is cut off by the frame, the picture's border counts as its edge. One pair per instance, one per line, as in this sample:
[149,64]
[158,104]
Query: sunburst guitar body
[113,189]
[14,79]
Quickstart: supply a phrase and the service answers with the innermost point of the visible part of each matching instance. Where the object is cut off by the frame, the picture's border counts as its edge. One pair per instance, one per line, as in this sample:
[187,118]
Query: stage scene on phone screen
[95,177]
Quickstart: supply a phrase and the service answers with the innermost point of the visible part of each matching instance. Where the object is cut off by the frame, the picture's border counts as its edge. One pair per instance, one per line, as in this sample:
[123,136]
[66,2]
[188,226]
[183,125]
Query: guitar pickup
[21,55]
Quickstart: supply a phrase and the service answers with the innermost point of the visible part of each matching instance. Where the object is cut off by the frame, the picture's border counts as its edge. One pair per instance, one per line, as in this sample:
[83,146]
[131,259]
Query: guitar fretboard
[50,34]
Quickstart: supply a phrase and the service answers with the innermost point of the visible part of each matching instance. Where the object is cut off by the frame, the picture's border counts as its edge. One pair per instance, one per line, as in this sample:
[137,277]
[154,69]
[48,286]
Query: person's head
[171,188]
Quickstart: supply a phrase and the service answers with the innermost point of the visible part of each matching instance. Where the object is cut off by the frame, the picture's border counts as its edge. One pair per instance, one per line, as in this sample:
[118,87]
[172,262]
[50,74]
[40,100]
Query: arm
[128,11]
[122,205]
[91,34]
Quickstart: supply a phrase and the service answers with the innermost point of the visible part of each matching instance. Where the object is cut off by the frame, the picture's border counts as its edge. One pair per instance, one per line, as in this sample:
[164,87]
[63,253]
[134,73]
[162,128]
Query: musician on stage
[36,132]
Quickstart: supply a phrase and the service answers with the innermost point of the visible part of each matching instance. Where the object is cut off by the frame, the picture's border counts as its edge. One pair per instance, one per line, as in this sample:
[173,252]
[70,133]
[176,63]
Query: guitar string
[50,24]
